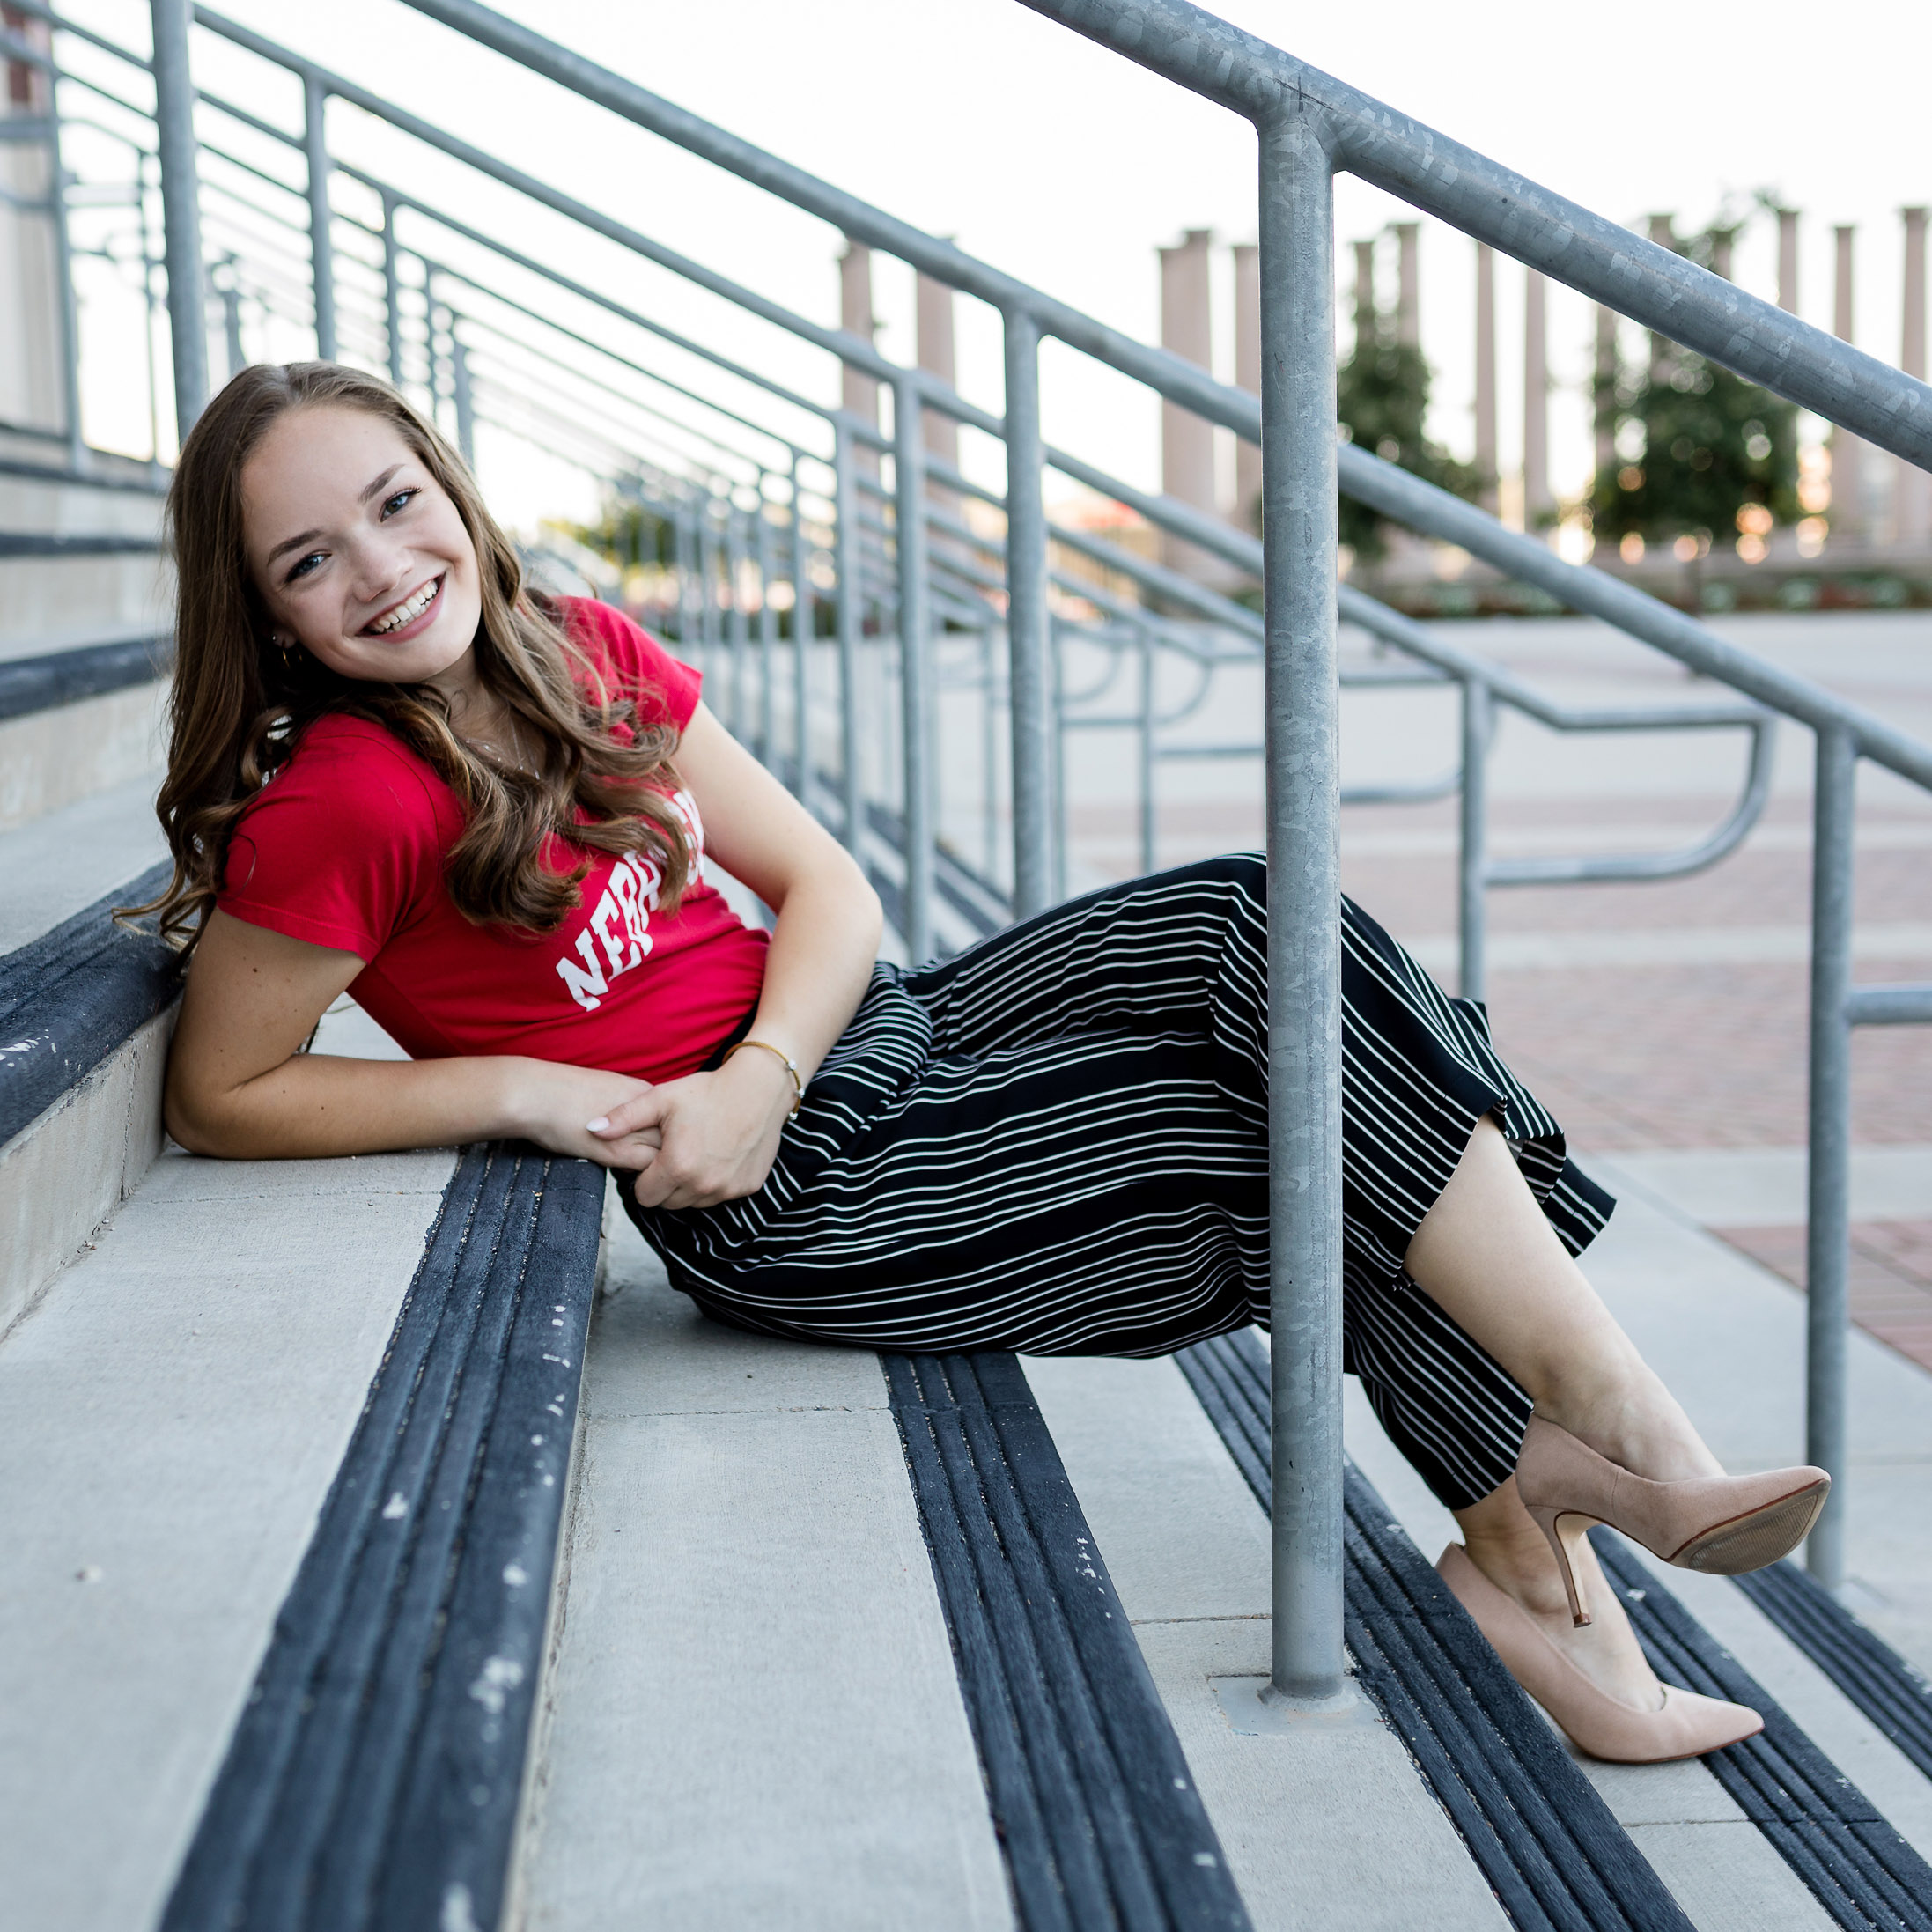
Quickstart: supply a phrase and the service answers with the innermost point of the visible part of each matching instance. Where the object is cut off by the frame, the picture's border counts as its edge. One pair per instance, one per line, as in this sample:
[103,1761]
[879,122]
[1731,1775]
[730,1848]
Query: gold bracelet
[784,1058]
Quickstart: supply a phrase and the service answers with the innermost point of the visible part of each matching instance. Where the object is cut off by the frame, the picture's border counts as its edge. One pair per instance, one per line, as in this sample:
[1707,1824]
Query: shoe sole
[1752,1542]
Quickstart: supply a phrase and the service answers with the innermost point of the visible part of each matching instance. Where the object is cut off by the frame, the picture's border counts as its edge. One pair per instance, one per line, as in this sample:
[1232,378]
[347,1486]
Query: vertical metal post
[1029,688]
[684,545]
[435,336]
[1302,703]
[1149,829]
[708,627]
[849,613]
[989,754]
[321,253]
[181,208]
[1835,809]
[803,611]
[739,716]
[915,692]
[64,272]
[230,292]
[767,637]
[1479,726]
[392,291]
[458,383]
[150,305]
[1056,795]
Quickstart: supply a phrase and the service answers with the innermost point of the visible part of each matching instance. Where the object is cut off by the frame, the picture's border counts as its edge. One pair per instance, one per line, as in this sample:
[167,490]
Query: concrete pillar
[932,320]
[857,391]
[1408,285]
[1787,259]
[31,385]
[1913,486]
[1364,296]
[935,331]
[1537,502]
[1247,513]
[1485,375]
[1604,393]
[1187,441]
[1850,522]
[1664,232]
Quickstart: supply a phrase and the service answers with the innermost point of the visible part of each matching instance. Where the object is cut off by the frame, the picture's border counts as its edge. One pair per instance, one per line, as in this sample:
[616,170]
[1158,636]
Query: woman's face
[360,557]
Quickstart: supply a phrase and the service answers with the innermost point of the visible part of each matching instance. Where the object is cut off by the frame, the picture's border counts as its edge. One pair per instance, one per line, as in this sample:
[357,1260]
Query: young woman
[397,771]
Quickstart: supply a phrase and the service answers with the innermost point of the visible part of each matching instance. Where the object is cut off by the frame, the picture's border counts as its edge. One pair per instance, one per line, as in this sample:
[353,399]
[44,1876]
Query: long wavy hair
[240,705]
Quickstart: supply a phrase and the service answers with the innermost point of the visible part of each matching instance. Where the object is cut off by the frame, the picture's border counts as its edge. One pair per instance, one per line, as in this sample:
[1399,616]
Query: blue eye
[395,501]
[303,566]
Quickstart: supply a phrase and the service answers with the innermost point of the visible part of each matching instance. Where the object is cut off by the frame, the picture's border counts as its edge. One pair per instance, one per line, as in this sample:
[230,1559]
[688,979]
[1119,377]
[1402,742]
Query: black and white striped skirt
[1056,1143]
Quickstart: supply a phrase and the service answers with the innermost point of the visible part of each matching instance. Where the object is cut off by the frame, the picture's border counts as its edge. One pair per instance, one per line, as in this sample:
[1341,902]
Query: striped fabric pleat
[1056,1143]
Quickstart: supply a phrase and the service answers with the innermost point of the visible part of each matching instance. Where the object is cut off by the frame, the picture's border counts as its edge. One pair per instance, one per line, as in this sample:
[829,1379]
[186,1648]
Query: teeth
[407,613]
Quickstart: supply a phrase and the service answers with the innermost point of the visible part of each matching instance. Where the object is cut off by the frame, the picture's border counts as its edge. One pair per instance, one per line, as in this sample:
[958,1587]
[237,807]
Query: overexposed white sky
[1067,166]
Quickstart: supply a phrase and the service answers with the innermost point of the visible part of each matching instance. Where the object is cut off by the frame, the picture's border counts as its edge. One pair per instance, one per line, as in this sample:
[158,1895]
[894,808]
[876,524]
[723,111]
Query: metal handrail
[1309,125]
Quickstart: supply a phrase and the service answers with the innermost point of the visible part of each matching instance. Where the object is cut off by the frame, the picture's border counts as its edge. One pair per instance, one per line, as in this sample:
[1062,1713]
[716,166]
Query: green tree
[630,535]
[1698,443]
[1382,398]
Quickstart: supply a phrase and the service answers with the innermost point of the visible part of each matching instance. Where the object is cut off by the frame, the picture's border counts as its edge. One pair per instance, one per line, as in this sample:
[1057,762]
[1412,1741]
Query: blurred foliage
[628,534]
[1382,398]
[1696,444]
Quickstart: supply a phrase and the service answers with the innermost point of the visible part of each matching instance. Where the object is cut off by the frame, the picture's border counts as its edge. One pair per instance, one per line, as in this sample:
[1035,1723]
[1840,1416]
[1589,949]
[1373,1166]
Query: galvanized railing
[757,504]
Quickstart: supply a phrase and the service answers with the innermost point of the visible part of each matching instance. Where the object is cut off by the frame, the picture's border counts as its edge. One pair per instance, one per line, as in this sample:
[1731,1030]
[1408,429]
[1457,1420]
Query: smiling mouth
[398,617]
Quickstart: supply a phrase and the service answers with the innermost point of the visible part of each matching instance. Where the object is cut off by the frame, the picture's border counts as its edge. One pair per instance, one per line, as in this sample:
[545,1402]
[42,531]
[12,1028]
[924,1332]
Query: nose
[381,567]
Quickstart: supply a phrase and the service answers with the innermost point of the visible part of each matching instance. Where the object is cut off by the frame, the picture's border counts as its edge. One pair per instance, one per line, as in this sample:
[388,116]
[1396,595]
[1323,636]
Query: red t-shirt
[345,847]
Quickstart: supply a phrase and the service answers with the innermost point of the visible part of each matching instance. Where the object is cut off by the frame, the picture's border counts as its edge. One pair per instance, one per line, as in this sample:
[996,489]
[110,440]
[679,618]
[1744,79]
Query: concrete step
[47,600]
[752,1716]
[65,1169]
[172,1413]
[76,722]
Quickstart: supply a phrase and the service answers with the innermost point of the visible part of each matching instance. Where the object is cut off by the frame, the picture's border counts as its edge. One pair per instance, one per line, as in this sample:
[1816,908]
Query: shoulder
[348,775]
[636,665]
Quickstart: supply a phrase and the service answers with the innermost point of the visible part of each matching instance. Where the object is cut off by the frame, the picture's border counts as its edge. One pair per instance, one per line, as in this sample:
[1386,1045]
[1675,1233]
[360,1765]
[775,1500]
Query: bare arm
[720,1131]
[239,1085]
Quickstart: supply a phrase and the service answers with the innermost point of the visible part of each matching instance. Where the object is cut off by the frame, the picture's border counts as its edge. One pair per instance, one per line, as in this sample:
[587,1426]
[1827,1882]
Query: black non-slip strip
[1827,1831]
[1538,1833]
[62,543]
[372,1782]
[78,479]
[43,683]
[70,998]
[1870,1673]
[1092,1798]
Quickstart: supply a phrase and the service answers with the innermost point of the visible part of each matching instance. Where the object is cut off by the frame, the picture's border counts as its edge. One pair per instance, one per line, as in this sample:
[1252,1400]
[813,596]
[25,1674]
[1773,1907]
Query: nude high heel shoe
[1726,1526]
[1686,1725]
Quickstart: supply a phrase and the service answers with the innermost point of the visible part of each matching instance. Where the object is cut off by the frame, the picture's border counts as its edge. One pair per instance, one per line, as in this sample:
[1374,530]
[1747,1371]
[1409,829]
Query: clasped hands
[691,1142]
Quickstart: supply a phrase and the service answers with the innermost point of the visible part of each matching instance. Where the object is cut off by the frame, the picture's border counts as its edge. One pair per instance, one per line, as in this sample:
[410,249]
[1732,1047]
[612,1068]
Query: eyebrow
[309,537]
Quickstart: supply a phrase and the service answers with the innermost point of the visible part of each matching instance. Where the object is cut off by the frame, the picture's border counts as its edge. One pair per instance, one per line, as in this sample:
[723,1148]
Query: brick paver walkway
[1891,1278]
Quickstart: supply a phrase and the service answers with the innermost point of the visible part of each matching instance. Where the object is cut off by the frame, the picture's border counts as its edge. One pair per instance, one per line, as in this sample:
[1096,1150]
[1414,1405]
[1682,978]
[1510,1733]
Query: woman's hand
[551,1103]
[706,1139]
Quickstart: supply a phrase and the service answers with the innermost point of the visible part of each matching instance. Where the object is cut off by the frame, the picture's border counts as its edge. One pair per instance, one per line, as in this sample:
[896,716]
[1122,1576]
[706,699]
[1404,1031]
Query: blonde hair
[239,706]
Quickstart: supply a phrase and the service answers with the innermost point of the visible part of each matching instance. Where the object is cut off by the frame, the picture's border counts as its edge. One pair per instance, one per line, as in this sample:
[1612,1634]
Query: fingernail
[596,1126]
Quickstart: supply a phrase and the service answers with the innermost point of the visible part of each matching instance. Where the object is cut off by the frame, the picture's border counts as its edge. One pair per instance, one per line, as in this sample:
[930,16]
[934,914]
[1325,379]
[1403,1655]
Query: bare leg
[1485,1254]
[1509,1548]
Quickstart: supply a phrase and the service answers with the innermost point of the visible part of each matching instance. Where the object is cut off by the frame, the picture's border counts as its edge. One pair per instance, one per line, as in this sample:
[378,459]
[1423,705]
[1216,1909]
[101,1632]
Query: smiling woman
[397,771]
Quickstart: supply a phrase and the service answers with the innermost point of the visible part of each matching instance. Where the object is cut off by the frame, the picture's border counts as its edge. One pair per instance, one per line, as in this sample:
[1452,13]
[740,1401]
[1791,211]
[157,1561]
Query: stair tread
[59,865]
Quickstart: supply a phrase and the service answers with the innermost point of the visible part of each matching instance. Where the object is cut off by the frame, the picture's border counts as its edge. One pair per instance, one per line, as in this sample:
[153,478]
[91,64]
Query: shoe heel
[1549,1521]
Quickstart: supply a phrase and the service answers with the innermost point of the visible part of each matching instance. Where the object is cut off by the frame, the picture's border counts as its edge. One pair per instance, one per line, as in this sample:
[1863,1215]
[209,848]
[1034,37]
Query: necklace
[514,755]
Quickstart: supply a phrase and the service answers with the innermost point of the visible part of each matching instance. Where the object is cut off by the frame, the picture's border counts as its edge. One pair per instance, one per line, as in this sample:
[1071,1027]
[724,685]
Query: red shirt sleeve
[638,668]
[341,844]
